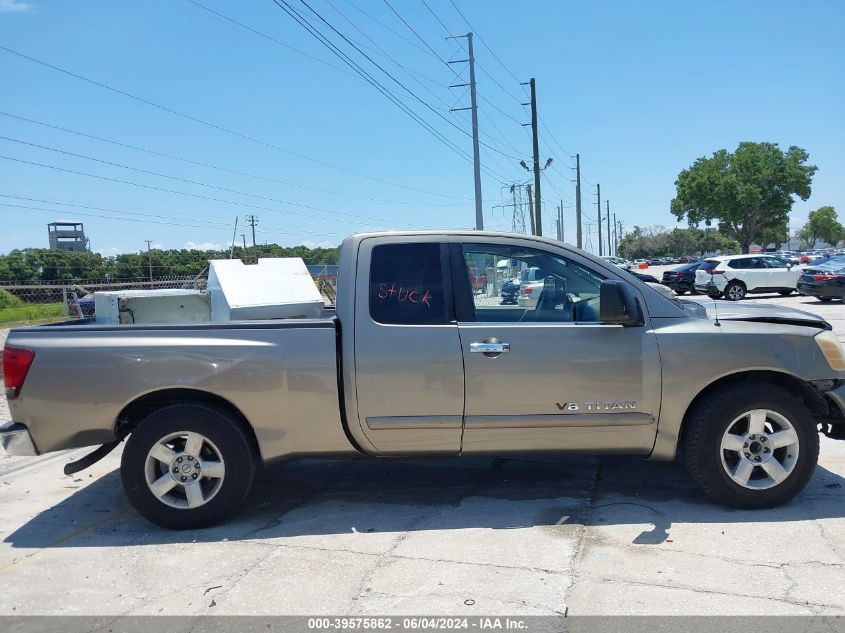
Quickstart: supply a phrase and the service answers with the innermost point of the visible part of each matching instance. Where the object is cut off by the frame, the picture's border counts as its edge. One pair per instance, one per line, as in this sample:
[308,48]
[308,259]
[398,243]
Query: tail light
[713,271]
[16,363]
[526,291]
[824,276]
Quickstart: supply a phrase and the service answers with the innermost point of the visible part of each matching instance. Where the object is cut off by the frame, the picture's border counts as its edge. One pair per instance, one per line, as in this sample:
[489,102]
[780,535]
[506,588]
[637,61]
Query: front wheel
[751,445]
[680,291]
[784,293]
[187,466]
[826,299]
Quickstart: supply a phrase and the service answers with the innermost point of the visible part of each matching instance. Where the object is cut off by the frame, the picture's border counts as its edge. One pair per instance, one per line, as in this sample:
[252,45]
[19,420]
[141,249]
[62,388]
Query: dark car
[825,282]
[644,277]
[682,278]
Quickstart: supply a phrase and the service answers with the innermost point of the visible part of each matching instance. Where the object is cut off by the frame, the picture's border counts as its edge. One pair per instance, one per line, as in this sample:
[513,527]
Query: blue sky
[639,89]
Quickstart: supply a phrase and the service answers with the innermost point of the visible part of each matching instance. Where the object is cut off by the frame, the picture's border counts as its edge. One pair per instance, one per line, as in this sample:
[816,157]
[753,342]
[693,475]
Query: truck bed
[279,375]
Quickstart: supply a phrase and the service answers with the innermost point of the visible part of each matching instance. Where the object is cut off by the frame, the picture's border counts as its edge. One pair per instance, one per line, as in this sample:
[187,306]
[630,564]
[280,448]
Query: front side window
[406,284]
[531,285]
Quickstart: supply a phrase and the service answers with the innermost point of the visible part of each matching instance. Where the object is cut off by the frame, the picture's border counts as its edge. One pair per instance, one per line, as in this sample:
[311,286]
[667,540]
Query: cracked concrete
[477,536]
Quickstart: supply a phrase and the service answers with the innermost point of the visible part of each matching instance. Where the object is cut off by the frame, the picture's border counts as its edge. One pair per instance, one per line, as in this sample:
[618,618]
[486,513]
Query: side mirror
[618,304]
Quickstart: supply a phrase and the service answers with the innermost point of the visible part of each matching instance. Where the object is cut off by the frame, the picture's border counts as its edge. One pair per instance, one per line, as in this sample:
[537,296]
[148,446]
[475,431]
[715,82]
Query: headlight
[832,350]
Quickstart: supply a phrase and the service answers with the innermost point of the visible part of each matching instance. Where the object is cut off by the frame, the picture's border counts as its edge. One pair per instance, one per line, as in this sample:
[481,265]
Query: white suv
[734,276]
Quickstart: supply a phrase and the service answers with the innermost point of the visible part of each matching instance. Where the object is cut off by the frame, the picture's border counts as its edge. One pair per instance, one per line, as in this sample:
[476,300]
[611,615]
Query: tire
[825,299]
[224,450]
[715,295]
[735,291]
[713,468]
[680,291]
[784,293]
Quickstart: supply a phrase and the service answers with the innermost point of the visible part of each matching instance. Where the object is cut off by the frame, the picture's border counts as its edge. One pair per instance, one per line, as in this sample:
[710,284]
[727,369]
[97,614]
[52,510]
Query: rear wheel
[187,466]
[680,291]
[785,292]
[735,291]
[751,445]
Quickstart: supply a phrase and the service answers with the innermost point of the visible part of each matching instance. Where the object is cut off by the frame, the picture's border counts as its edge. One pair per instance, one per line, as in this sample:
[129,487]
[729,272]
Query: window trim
[465,305]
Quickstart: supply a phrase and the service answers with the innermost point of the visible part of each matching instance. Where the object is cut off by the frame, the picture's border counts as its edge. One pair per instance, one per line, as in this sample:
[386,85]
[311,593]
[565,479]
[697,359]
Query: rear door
[408,364]
[551,376]
[780,274]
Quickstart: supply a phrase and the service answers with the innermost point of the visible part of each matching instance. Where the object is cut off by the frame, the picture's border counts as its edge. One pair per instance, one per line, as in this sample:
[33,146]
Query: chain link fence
[45,302]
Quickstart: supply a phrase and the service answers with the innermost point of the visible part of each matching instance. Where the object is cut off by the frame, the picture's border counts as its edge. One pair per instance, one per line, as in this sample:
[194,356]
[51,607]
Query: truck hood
[754,312]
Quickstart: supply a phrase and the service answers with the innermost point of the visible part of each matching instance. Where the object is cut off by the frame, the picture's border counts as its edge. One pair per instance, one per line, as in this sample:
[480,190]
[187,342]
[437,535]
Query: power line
[223,169]
[174,191]
[303,22]
[199,183]
[220,128]
[481,39]
[269,37]
[180,221]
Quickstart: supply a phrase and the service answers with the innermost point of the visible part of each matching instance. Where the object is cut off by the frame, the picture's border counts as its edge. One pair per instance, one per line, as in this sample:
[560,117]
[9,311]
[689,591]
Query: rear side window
[406,285]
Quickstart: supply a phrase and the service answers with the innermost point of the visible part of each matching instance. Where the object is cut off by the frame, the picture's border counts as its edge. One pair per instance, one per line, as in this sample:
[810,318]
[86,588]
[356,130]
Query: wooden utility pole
[150,258]
[609,242]
[598,206]
[615,236]
[538,203]
[579,243]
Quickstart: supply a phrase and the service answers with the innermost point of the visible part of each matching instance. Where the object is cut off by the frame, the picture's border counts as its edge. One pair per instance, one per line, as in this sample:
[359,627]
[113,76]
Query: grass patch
[29,312]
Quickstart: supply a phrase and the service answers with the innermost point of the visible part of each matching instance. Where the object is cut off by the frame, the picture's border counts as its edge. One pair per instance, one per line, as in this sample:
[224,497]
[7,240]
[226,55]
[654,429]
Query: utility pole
[538,221]
[518,211]
[598,206]
[560,213]
[578,200]
[243,237]
[150,258]
[531,209]
[609,243]
[476,157]
[234,235]
[253,220]
[615,236]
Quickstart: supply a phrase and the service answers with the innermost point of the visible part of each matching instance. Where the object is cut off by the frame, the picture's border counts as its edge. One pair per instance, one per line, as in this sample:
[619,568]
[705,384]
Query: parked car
[617,261]
[734,276]
[478,280]
[413,363]
[530,286]
[682,278]
[655,261]
[637,262]
[824,281]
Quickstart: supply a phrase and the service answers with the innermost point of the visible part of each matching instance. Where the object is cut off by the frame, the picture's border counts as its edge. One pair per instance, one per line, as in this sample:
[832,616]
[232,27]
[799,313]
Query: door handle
[490,347]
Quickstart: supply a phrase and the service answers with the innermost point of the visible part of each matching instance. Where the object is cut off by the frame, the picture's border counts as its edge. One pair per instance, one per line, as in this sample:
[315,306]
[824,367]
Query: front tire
[784,293]
[826,299]
[187,465]
[735,291]
[750,445]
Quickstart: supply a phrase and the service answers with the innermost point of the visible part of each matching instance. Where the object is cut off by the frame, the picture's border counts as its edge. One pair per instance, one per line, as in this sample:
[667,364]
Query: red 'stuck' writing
[403,294]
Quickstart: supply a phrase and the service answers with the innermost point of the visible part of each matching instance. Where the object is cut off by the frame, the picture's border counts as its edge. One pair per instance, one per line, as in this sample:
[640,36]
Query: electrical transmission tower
[518,209]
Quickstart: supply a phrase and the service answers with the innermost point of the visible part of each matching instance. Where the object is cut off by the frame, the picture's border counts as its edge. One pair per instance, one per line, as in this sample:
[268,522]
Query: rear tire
[187,466]
[784,293]
[745,419]
[735,291]
[680,291]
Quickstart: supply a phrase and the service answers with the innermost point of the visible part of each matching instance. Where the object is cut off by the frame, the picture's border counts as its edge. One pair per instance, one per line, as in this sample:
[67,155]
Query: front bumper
[16,440]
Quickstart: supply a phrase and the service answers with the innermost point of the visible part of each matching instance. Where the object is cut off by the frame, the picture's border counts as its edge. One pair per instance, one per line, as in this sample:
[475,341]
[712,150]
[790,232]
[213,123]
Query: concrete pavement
[539,535]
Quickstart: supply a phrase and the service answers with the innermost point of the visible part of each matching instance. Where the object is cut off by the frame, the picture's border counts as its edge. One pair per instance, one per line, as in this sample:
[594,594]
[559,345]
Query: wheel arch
[136,410]
[811,398]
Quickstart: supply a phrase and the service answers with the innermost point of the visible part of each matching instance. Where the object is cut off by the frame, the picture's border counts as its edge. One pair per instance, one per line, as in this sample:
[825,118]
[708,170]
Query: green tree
[748,191]
[822,225]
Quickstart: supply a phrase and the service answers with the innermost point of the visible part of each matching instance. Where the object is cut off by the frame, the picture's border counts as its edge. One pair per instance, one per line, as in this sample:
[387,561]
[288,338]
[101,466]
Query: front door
[550,375]
[409,376]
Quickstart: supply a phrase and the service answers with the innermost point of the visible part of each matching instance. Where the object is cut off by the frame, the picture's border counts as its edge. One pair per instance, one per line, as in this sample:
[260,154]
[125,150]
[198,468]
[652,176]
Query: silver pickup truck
[418,361]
